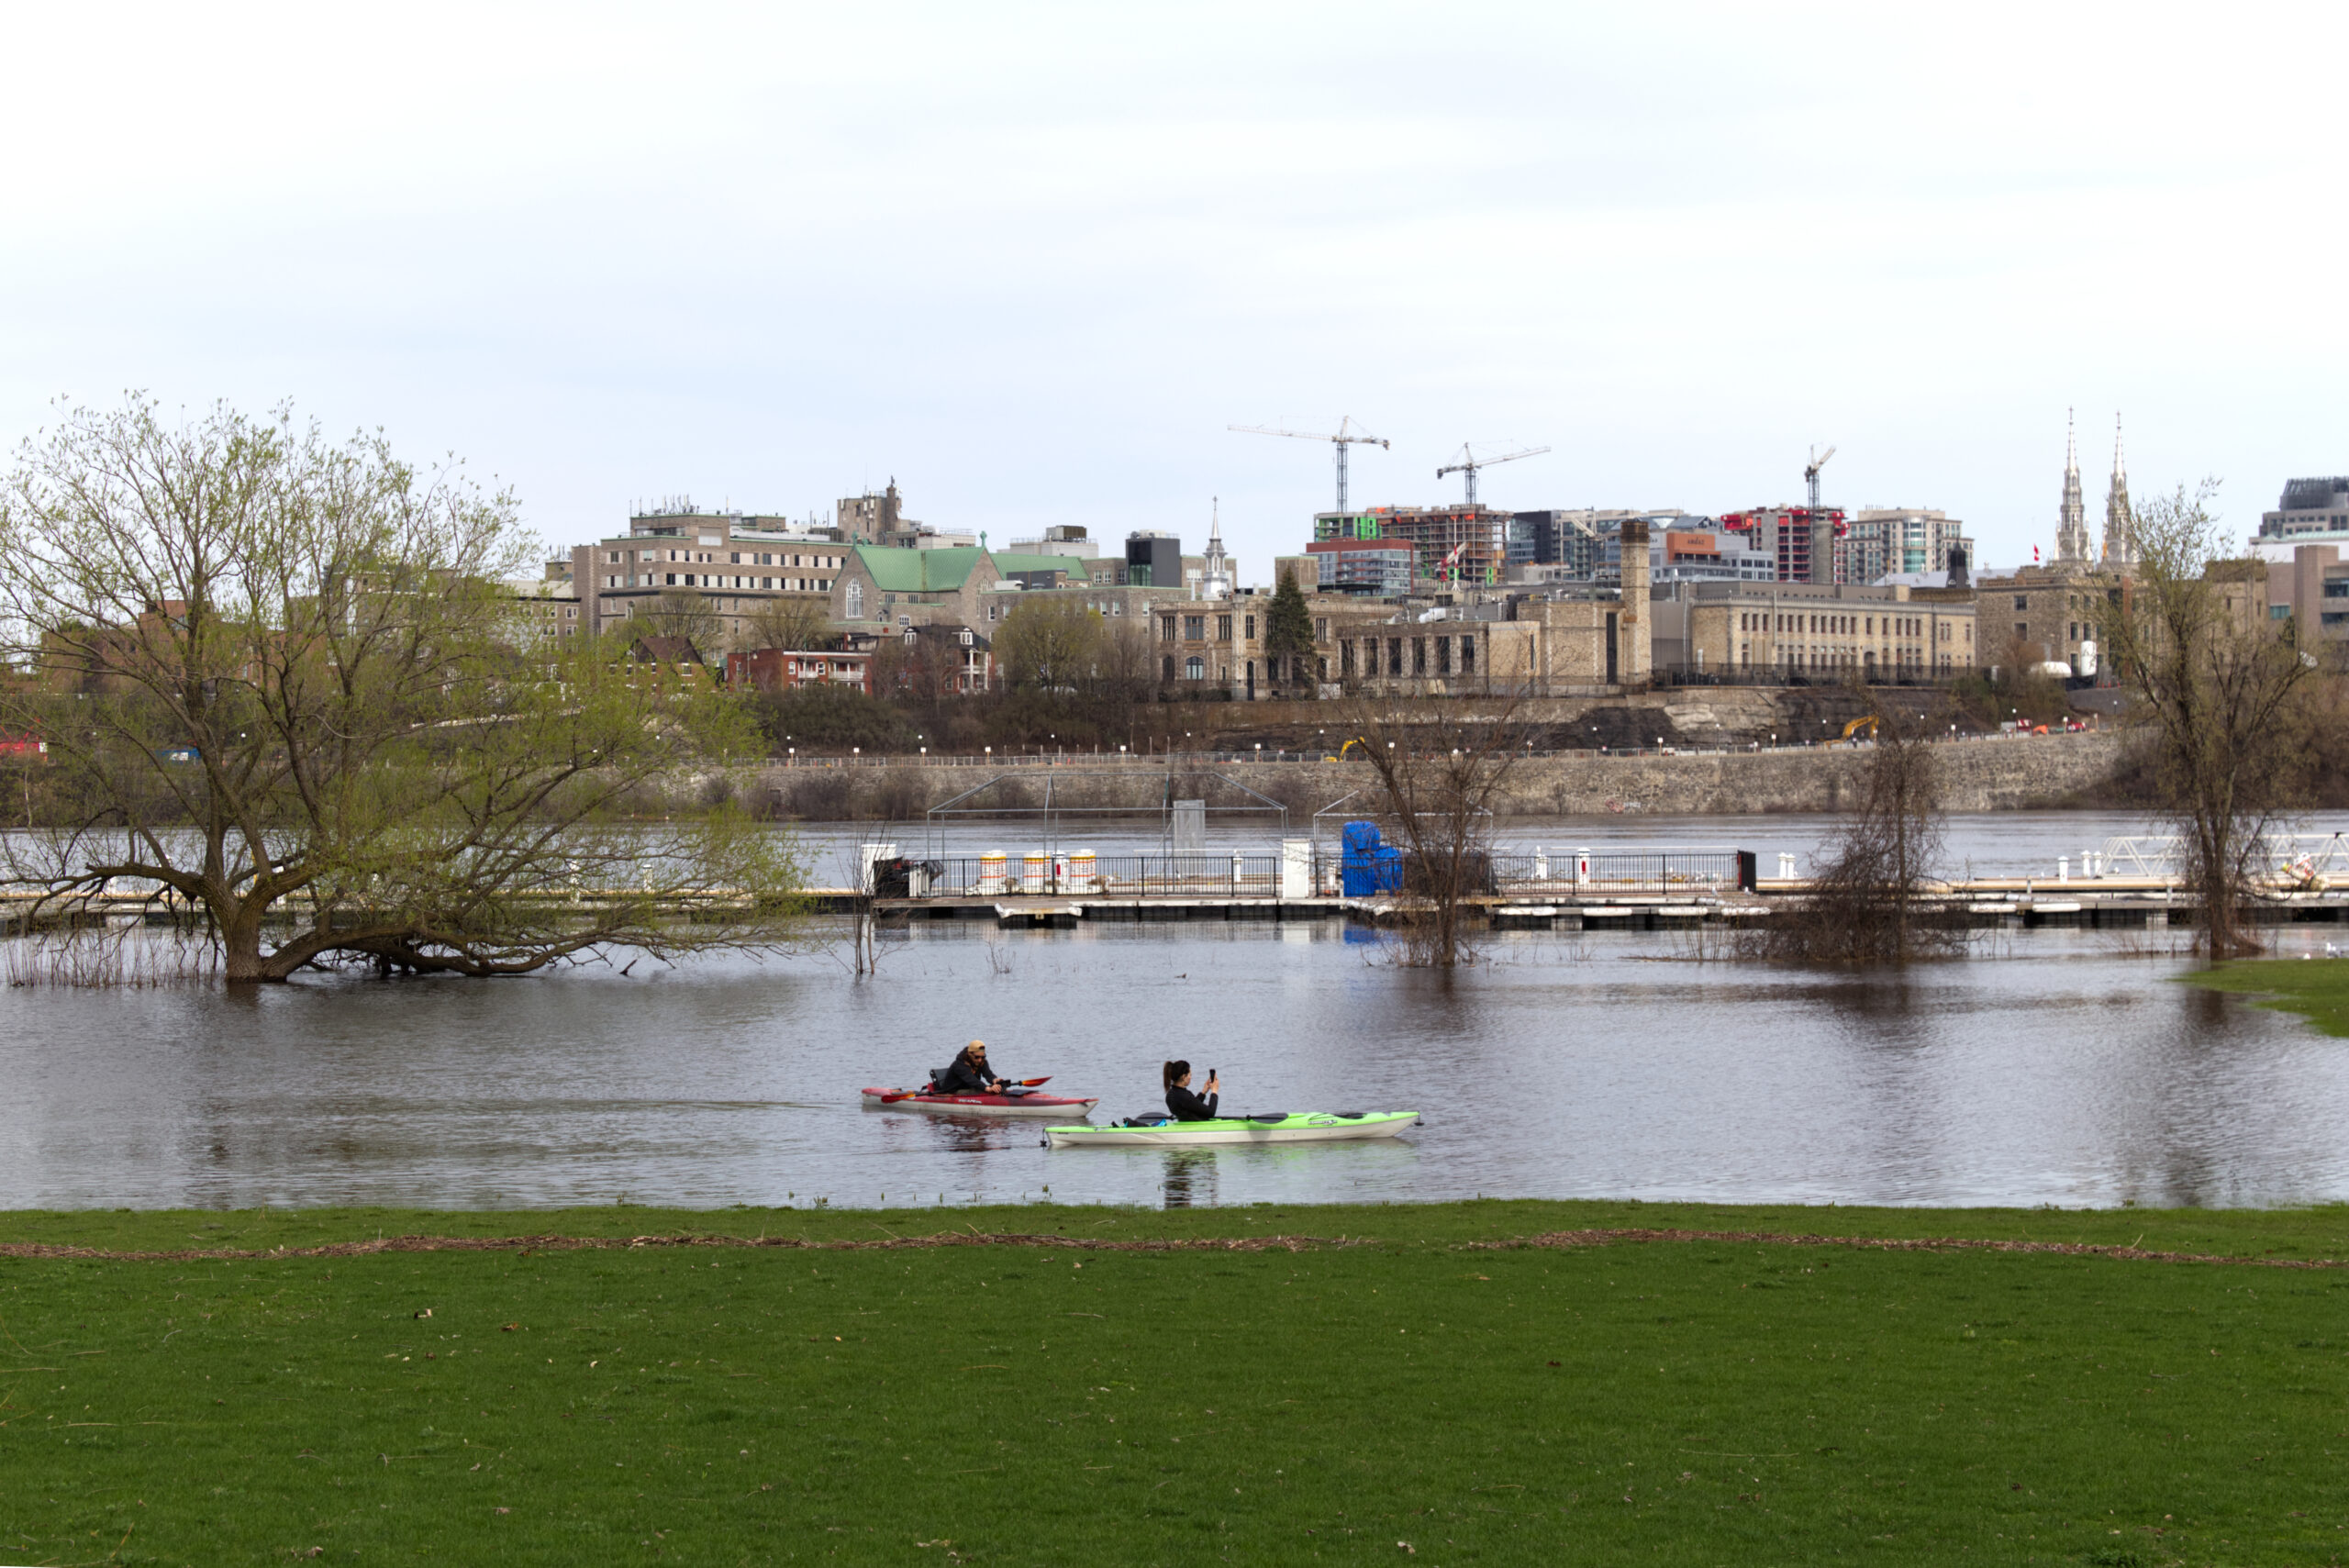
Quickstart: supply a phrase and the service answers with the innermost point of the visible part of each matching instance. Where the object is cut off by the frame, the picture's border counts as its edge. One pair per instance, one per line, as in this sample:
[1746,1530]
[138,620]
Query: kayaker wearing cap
[1186,1106]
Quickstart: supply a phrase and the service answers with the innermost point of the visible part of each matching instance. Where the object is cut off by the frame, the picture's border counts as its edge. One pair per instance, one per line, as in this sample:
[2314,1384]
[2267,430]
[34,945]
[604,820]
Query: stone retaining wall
[2004,773]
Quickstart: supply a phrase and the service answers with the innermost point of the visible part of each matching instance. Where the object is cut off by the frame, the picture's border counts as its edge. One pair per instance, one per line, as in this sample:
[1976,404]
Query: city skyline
[1033,268]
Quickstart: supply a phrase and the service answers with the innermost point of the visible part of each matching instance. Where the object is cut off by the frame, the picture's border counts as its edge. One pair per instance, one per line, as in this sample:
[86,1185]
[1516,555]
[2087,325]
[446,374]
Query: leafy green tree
[284,683]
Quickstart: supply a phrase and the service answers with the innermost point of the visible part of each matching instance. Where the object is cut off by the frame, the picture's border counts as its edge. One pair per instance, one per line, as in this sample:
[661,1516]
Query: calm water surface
[2061,1068]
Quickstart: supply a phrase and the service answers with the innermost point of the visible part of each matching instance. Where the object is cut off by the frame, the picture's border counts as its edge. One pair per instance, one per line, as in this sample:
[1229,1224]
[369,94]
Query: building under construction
[1801,539]
[1465,545]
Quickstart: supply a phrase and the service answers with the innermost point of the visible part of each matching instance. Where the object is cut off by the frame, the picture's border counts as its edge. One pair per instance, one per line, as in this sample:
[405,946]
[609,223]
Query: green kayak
[1273,1127]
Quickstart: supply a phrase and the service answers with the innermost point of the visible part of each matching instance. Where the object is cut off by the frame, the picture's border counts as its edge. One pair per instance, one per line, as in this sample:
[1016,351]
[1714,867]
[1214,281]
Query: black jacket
[961,1078]
[1188,1107]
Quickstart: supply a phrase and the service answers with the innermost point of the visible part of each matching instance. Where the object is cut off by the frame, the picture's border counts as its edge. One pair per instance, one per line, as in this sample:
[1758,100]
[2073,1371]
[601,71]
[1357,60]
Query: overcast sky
[1031,260]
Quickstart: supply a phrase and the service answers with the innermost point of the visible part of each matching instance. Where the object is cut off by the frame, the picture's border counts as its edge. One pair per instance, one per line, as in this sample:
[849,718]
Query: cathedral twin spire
[2120,525]
[2072,525]
[2072,545]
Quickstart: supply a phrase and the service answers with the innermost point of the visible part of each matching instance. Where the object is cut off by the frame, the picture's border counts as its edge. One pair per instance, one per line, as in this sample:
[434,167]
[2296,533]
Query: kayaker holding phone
[1186,1106]
[969,1073]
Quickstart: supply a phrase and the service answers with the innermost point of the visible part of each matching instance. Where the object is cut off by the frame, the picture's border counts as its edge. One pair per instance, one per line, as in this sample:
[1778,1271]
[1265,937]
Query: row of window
[1843,658]
[1831,625]
[714,580]
[709,558]
[1396,657]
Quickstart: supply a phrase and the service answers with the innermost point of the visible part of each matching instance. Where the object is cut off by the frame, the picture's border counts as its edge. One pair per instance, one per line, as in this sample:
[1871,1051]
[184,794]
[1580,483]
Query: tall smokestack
[1635,658]
[1822,549]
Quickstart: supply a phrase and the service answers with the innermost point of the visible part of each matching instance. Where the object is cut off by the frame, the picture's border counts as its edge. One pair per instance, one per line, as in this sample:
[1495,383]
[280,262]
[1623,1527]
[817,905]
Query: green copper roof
[1008,563]
[919,571]
[945,571]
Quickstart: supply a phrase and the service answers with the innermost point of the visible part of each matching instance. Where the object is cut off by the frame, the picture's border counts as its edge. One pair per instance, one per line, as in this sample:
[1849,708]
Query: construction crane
[1468,462]
[1811,474]
[1348,436]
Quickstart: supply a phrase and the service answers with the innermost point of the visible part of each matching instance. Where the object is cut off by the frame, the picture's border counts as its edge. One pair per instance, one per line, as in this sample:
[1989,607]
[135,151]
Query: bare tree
[2215,682]
[1050,641]
[682,613]
[1869,901]
[1439,774]
[795,624]
[282,683]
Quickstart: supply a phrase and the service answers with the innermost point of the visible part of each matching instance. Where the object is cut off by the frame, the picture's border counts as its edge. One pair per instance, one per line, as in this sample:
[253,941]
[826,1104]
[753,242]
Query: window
[1320,629]
[1166,634]
[2279,612]
[2023,601]
[1443,656]
[1223,629]
[1251,623]
[1395,656]
[735,558]
[1195,668]
[1195,628]
[1419,656]
[2022,630]
[1468,654]
[1346,657]
[856,601]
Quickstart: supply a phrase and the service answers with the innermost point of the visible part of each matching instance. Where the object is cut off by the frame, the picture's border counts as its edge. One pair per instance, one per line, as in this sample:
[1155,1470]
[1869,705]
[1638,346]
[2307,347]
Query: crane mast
[1811,474]
[1348,435]
[1468,462]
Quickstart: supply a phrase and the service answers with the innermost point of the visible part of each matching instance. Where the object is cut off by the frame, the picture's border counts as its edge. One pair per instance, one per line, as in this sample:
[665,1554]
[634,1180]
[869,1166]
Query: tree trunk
[241,960]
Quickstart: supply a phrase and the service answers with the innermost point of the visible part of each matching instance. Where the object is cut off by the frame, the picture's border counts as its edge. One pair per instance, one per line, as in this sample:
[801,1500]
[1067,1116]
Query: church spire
[2072,523]
[1216,574]
[2120,524]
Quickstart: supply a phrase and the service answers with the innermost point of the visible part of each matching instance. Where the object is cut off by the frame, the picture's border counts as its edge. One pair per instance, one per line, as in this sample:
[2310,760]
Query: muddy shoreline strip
[525,1245]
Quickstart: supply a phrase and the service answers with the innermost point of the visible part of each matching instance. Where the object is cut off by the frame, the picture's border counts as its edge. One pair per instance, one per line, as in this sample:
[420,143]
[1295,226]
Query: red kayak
[1028,1102]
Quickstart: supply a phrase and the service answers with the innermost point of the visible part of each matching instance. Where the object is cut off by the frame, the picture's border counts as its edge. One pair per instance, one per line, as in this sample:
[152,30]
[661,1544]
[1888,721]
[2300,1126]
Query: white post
[2064,868]
[1296,868]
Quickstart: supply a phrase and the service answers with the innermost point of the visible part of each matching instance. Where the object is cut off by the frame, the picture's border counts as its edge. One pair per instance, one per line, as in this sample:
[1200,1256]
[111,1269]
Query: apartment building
[735,561]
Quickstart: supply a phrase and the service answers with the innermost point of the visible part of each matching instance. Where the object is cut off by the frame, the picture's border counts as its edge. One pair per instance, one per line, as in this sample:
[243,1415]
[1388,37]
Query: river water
[2056,1067]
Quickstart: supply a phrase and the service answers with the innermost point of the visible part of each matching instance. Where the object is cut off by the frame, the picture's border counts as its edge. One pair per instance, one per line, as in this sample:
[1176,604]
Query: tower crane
[1348,435]
[1468,462]
[1810,473]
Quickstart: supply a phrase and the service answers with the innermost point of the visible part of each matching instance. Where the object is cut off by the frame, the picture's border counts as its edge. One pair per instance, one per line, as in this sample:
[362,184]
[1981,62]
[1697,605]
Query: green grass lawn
[1700,1402]
[2316,988]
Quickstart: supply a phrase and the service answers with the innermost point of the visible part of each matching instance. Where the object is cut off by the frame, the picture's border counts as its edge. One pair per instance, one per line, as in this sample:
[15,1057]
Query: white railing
[2292,859]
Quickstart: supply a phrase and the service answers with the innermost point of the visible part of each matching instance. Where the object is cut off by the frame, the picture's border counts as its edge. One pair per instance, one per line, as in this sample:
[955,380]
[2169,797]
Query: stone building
[2046,615]
[1811,630]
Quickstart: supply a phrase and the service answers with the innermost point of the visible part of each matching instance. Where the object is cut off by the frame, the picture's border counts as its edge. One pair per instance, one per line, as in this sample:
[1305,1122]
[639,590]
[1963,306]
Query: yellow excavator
[1853,729]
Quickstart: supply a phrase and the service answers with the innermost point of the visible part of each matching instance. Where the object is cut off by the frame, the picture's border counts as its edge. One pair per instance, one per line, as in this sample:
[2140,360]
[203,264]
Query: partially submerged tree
[1438,774]
[2216,681]
[1870,898]
[283,681]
